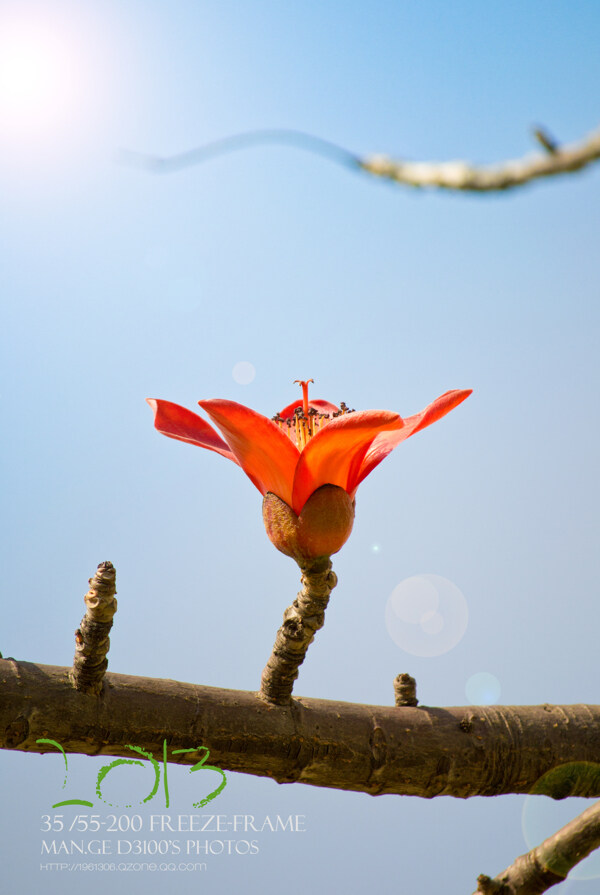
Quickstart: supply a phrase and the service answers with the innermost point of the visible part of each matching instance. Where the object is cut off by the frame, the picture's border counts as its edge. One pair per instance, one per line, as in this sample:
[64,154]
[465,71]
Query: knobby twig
[547,864]
[545,139]
[452,175]
[301,621]
[91,638]
[405,690]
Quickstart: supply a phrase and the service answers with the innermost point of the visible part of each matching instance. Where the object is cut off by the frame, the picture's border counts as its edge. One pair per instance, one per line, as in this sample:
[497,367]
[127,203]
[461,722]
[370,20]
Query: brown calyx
[321,529]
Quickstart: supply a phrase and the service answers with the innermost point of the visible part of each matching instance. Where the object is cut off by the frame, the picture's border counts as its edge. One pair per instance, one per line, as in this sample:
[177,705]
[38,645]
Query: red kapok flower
[307,461]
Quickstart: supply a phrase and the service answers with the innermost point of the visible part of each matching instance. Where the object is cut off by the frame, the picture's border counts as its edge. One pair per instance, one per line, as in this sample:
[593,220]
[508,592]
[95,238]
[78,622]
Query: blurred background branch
[451,175]
[547,864]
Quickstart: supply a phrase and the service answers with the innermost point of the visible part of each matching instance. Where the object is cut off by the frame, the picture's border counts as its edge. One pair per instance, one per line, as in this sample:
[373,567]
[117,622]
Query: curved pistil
[303,383]
[305,421]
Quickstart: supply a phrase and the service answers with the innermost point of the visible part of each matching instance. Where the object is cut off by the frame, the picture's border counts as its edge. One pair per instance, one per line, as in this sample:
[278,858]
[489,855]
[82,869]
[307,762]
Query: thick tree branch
[453,175]
[549,863]
[420,751]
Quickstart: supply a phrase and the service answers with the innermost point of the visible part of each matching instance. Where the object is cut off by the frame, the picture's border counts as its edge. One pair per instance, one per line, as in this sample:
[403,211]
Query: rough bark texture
[301,621]
[91,638]
[549,863]
[420,751]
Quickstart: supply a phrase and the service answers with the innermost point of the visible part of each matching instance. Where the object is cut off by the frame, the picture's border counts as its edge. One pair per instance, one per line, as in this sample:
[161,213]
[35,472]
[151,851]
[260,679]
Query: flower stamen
[305,421]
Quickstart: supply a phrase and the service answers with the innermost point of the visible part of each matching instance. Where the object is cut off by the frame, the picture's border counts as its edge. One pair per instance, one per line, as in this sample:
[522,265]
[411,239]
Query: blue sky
[120,285]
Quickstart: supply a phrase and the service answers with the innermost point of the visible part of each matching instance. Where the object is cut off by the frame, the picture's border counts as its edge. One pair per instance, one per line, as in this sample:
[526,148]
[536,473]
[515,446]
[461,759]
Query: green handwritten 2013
[106,769]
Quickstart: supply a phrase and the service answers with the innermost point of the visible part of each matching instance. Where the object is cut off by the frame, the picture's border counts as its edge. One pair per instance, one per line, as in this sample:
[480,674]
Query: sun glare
[39,79]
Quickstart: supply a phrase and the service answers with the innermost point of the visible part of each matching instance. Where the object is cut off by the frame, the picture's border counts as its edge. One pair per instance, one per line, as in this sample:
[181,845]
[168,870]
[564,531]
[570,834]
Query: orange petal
[264,452]
[180,423]
[387,441]
[335,454]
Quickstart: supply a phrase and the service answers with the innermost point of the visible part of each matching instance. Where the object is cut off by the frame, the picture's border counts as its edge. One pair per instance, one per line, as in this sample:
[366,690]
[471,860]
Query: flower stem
[301,621]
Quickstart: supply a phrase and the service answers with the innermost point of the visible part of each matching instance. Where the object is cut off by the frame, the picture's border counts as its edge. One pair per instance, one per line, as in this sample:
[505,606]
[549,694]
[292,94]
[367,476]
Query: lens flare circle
[542,817]
[243,372]
[483,688]
[426,615]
